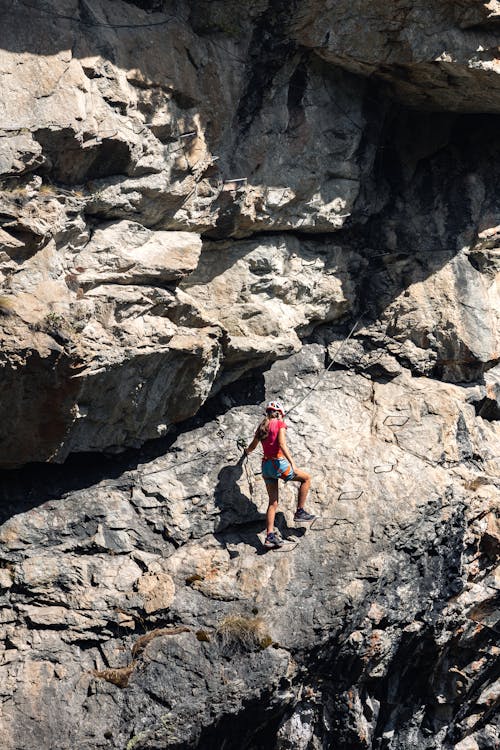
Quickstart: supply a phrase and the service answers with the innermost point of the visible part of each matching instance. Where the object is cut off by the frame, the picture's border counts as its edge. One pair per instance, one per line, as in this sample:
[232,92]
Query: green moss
[54,323]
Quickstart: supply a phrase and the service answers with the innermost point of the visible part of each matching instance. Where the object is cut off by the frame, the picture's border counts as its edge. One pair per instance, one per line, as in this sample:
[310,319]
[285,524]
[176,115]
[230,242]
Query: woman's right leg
[272,491]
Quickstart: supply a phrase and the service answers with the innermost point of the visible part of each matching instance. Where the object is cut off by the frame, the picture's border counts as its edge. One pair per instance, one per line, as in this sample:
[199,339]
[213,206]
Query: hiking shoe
[272,540]
[302,515]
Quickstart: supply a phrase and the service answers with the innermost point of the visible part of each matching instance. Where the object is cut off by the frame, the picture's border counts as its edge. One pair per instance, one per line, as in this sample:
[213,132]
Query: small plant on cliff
[118,676]
[6,305]
[13,191]
[47,189]
[237,633]
[54,319]
[54,322]
[57,326]
[133,741]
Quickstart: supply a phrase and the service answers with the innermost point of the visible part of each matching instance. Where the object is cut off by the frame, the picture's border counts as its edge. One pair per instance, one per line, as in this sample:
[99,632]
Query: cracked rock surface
[203,206]
[186,195]
[378,621]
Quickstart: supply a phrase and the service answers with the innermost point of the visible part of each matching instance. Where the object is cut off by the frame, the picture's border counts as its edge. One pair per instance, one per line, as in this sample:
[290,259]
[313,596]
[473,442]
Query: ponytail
[263,428]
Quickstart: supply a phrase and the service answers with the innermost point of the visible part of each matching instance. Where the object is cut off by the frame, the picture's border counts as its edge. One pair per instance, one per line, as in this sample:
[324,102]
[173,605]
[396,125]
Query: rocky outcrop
[203,206]
[435,56]
[144,603]
[117,157]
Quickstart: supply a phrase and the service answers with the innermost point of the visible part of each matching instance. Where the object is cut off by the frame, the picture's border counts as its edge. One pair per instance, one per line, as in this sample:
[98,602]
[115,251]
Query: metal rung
[396,420]
[350,495]
[384,468]
[331,522]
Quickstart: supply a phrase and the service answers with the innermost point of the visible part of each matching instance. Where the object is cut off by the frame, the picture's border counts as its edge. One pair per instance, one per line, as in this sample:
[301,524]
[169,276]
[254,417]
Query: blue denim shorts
[276,468]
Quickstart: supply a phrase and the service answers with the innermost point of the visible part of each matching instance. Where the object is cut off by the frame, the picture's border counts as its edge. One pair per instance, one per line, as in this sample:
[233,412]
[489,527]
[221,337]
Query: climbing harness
[281,472]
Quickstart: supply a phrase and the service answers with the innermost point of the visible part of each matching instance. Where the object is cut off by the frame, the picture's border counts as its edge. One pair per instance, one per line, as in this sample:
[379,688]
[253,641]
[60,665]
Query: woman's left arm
[284,447]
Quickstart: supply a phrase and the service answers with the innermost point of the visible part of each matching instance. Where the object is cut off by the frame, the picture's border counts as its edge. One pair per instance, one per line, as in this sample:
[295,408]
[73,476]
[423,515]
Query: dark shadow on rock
[241,522]
[35,483]
[235,507]
[255,727]
[248,533]
[247,389]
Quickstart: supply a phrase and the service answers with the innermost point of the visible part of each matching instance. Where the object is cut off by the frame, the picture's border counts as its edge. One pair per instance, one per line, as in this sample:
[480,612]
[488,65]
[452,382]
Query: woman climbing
[277,463]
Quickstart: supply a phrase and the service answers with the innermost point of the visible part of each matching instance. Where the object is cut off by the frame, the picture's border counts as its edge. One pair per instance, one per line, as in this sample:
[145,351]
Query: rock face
[145,604]
[438,56]
[119,151]
[205,205]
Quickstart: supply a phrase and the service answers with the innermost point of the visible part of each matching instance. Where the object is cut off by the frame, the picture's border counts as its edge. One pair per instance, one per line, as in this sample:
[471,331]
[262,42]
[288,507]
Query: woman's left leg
[305,482]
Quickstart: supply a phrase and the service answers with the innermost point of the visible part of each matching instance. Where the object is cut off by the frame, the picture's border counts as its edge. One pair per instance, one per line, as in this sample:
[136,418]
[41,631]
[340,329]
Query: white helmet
[275,406]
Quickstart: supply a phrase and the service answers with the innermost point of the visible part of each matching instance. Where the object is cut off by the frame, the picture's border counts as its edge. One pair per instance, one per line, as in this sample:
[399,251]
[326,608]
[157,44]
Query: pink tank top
[270,445]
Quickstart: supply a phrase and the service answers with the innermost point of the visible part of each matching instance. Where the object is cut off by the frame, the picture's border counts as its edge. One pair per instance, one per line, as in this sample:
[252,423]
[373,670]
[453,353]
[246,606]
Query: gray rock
[199,201]
[177,543]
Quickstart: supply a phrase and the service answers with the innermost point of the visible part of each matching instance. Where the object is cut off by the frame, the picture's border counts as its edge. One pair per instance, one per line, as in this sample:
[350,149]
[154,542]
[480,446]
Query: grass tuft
[266,642]
[237,633]
[143,640]
[6,305]
[118,676]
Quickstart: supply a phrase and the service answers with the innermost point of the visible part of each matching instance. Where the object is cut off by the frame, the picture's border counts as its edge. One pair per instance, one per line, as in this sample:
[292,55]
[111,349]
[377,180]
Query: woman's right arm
[252,445]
